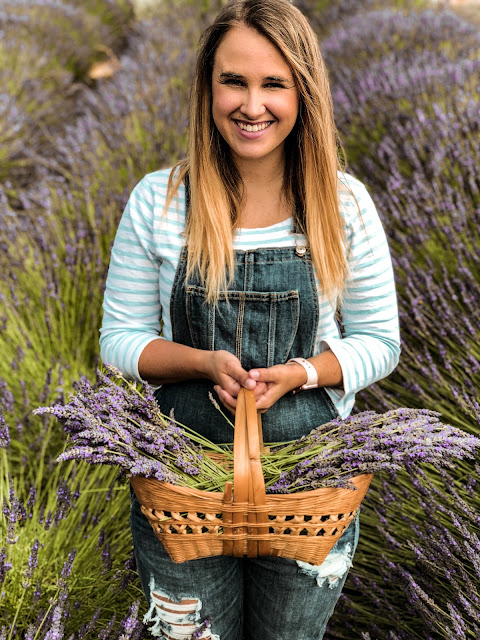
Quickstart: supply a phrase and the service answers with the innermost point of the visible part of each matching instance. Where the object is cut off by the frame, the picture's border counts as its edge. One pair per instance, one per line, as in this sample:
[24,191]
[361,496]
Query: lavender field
[406,87]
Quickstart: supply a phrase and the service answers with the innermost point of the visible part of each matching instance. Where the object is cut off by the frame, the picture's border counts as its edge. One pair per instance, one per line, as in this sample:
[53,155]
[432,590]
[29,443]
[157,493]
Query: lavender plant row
[407,109]
[417,568]
[73,153]
[63,42]
[56,239]
[63,560]
[423,174]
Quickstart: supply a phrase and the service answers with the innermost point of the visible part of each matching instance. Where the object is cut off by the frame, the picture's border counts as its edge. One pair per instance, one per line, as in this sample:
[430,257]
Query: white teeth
[255,127]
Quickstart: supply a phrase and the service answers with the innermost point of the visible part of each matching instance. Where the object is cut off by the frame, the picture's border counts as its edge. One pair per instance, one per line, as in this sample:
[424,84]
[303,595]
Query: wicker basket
[246,522]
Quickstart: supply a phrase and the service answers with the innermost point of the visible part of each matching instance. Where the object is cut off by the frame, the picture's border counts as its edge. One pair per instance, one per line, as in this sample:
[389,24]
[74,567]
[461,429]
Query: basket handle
[249,483]
[241,472]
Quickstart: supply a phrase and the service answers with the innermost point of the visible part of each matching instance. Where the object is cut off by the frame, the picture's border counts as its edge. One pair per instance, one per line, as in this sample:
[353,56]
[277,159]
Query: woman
[241,256]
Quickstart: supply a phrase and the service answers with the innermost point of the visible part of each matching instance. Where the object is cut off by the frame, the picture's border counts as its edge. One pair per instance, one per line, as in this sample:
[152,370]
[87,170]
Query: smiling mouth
[252,127]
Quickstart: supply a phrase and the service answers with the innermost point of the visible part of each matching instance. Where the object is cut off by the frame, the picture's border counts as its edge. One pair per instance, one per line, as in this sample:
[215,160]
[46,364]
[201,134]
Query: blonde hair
[311,156]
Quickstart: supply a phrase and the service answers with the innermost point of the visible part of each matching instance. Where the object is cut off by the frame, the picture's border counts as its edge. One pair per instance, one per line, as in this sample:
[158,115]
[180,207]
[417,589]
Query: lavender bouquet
[335,452]
[117,423]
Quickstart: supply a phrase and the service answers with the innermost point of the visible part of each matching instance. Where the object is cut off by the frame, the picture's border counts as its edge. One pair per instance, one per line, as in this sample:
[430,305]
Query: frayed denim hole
[335,566]
[176,619]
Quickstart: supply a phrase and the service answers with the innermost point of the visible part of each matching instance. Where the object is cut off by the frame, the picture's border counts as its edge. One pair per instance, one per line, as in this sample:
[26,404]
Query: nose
[253,106]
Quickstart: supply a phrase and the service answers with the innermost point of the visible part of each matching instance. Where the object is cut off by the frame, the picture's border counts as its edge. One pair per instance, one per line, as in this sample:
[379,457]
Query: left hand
[271,384]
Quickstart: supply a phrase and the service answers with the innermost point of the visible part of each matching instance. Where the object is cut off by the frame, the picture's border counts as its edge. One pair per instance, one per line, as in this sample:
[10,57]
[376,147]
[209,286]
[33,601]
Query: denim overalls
[271,315]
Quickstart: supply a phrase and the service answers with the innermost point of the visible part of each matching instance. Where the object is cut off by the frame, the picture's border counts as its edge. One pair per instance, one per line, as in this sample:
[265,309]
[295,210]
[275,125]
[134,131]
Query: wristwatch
[312,376]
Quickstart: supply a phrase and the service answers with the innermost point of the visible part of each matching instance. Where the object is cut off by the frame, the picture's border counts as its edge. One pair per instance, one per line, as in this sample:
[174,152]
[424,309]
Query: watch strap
[312,376]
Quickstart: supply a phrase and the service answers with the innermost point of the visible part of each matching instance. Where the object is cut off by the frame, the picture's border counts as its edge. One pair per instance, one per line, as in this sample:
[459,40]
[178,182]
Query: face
[255,100]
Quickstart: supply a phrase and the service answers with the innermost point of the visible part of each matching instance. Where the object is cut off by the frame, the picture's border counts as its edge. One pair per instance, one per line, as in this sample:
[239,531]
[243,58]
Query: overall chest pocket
[259,328]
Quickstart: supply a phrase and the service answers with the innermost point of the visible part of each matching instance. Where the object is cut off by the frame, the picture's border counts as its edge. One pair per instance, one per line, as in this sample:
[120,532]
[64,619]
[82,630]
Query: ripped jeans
[226,598]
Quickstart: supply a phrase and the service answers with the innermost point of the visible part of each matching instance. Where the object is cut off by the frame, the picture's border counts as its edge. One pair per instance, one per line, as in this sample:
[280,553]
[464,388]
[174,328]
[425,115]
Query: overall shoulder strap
[186,181]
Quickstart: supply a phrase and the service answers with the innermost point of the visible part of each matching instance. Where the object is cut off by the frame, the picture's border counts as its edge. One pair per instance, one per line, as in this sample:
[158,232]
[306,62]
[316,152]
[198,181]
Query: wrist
[296,375]
[310,372]
[205,364]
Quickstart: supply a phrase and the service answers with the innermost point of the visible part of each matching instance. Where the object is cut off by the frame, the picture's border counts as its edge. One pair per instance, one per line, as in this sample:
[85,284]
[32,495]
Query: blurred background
[93,95]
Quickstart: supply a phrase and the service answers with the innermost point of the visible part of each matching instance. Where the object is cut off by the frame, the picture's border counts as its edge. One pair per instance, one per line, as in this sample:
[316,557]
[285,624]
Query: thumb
[259,375]
[238,373]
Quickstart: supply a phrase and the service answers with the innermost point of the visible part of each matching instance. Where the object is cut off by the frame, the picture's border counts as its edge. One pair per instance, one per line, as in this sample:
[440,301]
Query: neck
[264,201]
[261,174]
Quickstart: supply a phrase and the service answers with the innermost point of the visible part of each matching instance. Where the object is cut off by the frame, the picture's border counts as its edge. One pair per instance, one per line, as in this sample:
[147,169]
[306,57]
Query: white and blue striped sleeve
[369,347]
[131,304]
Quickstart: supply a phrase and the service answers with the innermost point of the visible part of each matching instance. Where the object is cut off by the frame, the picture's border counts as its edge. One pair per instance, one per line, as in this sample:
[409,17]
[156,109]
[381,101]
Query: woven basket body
[246,522]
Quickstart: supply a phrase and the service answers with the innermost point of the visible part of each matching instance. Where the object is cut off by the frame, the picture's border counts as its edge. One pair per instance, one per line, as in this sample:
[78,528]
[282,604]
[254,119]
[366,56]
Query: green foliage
[73,509]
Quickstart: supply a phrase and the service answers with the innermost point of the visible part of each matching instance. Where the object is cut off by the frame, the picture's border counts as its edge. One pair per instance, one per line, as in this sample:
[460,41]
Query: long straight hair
[311,153]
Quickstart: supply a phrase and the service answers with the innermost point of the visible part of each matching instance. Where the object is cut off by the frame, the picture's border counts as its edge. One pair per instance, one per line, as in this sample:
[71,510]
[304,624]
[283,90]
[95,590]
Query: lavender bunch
[114,423]
[366,443]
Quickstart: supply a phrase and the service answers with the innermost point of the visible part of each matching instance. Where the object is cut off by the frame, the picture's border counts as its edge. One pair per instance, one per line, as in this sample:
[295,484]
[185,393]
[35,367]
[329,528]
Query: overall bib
[271,315]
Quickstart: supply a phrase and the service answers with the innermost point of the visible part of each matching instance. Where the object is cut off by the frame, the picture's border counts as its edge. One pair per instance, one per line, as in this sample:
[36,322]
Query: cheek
[294,107]
[219,118]
[286,111]
[223,102]
[285,108]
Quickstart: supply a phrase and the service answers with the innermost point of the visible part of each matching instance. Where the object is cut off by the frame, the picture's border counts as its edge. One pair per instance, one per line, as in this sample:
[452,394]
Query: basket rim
[201,493]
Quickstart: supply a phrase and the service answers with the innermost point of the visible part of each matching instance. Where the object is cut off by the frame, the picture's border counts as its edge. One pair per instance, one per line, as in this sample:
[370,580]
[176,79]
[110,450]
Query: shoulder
[349,182]
[152,193]
[354,199]
[351,190]
[156,183]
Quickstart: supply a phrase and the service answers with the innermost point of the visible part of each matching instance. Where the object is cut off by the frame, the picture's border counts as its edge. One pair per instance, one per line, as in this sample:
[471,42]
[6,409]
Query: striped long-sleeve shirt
[145,254]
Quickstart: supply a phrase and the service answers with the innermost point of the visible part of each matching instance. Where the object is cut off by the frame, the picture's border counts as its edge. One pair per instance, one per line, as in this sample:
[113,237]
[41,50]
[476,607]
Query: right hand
[226,371]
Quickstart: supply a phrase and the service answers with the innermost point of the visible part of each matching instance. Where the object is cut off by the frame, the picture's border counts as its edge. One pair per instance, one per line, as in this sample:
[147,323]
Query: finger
[260,390]
[224,394]
[237,372]
[226,399]
[250,384]
[231,386]
[267,399]
[241,380]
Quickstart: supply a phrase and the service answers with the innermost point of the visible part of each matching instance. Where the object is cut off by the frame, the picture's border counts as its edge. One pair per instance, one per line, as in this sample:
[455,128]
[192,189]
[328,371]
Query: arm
[163,361]
[369,347]
[132,311]
[131,303]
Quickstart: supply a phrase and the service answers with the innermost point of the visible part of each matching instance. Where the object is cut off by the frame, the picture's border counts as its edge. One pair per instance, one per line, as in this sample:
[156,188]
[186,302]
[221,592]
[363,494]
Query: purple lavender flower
[106,558]
[105,633]
[369,443]
[4,564]
[32,564]
[112,423]
[130,624]
[4,434]
[66,569]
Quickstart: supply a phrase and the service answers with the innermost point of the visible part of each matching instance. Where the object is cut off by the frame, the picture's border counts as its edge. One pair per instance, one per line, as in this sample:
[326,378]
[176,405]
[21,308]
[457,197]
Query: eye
[274,85]
[233,82]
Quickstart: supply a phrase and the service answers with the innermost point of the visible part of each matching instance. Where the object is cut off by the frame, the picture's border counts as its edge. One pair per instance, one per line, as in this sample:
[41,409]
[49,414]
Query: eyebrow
[238,76]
